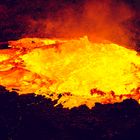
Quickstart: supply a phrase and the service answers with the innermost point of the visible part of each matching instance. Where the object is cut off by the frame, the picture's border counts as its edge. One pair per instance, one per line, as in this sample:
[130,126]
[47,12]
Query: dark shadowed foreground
[30,117]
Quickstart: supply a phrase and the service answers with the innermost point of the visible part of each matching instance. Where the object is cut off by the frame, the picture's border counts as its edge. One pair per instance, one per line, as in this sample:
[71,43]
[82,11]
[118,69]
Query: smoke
[99,20]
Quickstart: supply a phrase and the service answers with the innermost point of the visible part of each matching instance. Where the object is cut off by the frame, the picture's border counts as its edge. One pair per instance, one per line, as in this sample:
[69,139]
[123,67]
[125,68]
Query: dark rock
[35,117]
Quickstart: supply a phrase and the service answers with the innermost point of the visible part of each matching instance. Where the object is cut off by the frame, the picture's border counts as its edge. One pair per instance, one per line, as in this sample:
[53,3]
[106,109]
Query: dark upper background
[68,18]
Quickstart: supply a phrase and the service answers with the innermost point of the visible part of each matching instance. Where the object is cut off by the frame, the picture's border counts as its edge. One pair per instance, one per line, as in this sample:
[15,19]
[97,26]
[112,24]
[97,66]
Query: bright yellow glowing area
[82,72]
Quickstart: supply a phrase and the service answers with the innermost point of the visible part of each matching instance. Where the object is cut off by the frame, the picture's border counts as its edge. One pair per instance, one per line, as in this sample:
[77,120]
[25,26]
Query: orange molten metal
[74,72]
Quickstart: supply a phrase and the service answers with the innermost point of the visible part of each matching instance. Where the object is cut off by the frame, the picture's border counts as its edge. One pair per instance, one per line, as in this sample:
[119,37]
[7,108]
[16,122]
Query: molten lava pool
[73,72]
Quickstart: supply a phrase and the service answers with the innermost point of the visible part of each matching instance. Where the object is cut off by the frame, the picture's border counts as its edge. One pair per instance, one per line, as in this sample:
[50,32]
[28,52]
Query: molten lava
[73,72]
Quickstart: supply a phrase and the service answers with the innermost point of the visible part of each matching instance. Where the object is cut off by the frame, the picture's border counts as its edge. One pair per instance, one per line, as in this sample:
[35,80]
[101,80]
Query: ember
[89,72]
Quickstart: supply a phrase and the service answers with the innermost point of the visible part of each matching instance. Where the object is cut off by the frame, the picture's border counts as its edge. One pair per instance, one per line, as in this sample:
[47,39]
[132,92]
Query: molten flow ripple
[73,72]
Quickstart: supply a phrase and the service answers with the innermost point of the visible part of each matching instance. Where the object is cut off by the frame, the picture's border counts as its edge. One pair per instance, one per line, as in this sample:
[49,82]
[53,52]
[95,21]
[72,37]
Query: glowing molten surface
[75,72]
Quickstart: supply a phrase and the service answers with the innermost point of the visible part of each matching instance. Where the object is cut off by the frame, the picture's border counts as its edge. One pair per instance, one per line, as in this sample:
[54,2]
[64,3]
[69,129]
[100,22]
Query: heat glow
[74,72]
